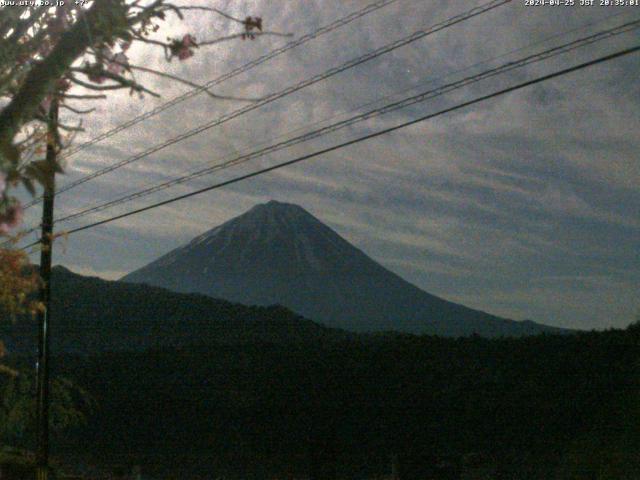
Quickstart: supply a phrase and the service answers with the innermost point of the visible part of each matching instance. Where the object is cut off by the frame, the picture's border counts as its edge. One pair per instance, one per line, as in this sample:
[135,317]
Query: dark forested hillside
[188,385]
[545,407]
[91,315]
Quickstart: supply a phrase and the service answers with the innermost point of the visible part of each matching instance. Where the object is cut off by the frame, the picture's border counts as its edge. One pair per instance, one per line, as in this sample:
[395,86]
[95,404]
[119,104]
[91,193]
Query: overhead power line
[420,97]
[218,80]
[368,104]
[418,35]
[233,73]
[601,35]
[317,153]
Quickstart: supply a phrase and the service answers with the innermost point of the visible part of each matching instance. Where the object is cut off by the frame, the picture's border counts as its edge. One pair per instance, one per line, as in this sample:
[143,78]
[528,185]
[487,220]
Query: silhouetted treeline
[538,407]
[187,384]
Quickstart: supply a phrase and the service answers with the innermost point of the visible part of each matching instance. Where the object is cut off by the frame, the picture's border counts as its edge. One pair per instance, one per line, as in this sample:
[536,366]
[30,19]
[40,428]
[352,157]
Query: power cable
[418,35]
[420,97]
[413,87]
[233,73]
[498,93]
[602,35]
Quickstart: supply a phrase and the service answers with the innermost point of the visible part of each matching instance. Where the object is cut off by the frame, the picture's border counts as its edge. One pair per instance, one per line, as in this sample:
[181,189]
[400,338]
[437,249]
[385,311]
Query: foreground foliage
[18,283]
[56,60]
[70,406]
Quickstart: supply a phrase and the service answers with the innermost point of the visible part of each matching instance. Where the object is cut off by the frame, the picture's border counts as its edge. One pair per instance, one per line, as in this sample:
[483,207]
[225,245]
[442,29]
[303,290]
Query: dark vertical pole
[44,318]
[395,466]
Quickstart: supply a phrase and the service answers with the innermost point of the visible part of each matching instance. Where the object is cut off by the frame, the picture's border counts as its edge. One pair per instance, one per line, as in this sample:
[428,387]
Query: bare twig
[214,10]
[151,41]
[122,82]
[69,128]
[242,35]
[82,97]
[92,86]
[187,82]
[75,110]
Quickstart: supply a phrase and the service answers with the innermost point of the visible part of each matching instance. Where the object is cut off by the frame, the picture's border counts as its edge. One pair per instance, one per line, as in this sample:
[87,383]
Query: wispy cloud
[496,206]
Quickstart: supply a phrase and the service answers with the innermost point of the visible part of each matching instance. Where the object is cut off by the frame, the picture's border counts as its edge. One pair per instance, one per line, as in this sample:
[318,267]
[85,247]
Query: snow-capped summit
[278,253]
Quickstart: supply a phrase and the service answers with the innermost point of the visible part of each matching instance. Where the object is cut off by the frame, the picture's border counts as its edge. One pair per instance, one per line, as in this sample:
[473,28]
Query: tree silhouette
[62,58]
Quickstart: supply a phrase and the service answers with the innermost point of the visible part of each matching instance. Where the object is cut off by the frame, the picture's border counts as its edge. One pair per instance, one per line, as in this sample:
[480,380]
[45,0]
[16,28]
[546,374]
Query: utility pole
[44,317]
[395,466]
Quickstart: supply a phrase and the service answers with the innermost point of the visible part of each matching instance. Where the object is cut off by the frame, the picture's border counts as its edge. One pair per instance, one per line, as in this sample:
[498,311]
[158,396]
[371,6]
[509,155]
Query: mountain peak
[274,207]
[278,253]
[280,205]
[263,222]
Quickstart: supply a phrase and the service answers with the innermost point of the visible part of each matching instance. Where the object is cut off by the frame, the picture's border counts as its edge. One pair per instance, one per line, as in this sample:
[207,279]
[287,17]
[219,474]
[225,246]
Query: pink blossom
[95,72]
[183,48]
[189,41]
[46,103]
[118,64]
[11,218]
[104,52]
[96,77]
[249,24]
[255,22]
[184,53]
[64,84]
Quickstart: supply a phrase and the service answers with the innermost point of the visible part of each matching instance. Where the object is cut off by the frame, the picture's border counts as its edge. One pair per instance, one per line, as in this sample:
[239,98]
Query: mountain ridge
[278,253]
[91,315]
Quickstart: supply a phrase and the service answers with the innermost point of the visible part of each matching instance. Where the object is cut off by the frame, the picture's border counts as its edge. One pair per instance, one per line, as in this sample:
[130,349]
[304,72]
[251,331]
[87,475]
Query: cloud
[494,206]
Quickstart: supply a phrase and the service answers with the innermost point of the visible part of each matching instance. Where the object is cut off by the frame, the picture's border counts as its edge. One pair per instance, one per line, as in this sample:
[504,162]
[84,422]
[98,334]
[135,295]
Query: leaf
[28,184]
[42,171]
[57,167]
[9,154]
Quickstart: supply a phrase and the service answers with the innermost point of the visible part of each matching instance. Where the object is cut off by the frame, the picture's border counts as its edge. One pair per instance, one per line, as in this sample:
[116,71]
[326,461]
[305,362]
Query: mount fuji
[278,253]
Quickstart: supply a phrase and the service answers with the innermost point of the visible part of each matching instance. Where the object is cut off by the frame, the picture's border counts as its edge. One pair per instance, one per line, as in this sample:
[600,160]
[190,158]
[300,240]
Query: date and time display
[582,3]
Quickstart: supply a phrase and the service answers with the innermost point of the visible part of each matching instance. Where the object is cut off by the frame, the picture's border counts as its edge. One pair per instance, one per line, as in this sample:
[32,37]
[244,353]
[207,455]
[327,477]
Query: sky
[525,206]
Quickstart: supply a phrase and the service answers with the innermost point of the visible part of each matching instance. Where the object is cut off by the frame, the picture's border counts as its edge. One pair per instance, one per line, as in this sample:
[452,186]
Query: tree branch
[71,96]
[214,10]
[123,82]
[43,77]
[242,35]
[92,86]
[187,82]
[77,111]
[69,128]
